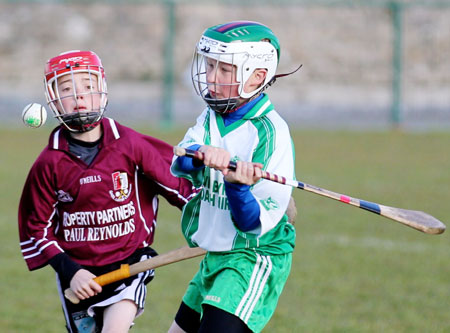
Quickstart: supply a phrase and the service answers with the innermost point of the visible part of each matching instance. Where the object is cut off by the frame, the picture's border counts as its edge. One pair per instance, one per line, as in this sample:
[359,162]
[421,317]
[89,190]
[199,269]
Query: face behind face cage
[214,79]
[79,97]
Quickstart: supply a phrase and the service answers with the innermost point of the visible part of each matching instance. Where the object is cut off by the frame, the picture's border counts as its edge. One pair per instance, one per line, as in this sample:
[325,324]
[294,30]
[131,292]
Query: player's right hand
[247,173]
[83,285]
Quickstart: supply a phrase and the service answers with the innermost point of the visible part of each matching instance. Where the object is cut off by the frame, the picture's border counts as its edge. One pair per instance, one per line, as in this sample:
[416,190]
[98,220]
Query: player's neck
[90,136]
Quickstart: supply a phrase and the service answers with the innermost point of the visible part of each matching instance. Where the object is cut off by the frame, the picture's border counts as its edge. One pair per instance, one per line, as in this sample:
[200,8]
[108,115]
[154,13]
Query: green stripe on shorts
[245,283]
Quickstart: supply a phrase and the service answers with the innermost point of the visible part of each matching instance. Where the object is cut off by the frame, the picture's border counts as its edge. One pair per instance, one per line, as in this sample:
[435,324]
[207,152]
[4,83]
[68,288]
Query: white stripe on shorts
[135,292]
[258,280]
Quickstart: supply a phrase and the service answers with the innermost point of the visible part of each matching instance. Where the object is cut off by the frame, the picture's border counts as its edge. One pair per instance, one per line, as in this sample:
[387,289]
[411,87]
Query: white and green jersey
[260,136]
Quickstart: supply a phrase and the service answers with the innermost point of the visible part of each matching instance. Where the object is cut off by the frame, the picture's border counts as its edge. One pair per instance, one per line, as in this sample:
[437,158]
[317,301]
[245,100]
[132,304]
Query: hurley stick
[412,218]
[126,270]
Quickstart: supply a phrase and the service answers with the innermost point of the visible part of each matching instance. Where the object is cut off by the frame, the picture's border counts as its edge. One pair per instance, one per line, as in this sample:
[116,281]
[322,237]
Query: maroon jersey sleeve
[37,210]
[154,157]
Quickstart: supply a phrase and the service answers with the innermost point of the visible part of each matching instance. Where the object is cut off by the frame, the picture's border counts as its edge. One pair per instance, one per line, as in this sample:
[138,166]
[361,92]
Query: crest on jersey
[64,196]
[270,204]
[122,189]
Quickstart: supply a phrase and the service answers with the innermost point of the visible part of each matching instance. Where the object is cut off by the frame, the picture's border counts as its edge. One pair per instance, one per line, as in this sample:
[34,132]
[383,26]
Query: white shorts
[87,316]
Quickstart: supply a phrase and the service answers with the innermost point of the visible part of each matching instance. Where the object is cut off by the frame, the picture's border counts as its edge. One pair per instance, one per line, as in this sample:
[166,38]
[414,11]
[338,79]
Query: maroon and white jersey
[101,213]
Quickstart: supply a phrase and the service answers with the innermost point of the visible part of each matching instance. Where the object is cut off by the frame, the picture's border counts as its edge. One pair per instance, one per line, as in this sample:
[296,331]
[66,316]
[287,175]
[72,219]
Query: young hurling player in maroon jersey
[90,201]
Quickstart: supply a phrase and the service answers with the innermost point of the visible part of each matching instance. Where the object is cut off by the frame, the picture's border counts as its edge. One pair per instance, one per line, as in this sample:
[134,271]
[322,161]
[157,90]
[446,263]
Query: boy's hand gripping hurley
[126,270]
[412,218]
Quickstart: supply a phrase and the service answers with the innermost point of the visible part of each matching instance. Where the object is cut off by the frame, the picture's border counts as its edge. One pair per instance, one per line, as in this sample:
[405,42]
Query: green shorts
[244,283]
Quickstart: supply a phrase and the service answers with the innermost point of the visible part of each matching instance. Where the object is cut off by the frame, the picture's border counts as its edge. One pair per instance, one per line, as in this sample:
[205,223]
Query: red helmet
[80,118]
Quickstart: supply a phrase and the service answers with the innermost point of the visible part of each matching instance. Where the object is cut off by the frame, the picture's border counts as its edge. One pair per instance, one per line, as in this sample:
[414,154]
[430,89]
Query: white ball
[34,115]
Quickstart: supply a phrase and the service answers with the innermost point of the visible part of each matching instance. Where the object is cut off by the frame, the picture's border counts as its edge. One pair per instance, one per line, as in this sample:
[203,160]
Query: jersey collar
[58,140]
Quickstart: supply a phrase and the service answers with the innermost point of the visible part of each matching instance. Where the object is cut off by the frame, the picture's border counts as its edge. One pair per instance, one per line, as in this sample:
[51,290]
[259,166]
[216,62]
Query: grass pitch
[353,271]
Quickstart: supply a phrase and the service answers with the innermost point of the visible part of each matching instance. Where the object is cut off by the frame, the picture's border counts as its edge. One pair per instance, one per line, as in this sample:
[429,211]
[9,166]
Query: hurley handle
[119,274]
[126,270]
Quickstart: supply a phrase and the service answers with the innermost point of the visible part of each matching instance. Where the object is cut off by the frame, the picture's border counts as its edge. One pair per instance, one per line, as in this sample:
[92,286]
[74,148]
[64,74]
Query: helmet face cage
[202,87]
[63,70]
[242,44]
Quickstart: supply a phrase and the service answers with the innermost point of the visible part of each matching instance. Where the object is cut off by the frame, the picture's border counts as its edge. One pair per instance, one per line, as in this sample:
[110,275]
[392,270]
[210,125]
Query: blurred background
[366,64]
[369,114]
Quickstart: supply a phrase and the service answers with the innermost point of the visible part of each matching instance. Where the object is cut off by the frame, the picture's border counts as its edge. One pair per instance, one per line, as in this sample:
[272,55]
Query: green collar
[260,109]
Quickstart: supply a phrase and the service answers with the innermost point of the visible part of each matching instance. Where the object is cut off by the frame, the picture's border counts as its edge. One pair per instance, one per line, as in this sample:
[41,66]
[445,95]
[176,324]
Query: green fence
[394,10]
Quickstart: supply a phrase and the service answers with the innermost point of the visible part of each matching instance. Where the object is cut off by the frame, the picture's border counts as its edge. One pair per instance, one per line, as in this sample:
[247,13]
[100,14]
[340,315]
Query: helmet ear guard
[252,56]
[71,63]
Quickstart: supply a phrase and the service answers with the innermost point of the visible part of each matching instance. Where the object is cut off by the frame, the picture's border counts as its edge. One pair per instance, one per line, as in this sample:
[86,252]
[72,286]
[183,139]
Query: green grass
[353,271]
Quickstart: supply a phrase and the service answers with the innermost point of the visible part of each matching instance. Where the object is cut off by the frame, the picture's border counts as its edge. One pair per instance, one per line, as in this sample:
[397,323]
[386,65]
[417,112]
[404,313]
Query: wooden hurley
[126,270]
[412,218]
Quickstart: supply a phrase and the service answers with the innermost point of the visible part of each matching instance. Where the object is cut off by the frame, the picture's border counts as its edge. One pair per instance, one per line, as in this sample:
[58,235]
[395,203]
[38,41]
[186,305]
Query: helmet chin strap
[272,81]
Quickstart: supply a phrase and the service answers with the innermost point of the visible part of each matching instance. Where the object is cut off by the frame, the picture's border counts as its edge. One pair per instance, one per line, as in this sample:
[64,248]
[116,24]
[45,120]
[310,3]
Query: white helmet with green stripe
[245,45]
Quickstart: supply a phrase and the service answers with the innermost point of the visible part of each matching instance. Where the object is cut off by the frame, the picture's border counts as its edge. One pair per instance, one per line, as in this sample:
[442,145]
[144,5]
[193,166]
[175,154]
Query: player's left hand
[83,284]
[247,173]
[215,157]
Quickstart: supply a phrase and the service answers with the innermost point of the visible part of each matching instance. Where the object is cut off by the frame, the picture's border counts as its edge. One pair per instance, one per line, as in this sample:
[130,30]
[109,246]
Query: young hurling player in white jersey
[239,218]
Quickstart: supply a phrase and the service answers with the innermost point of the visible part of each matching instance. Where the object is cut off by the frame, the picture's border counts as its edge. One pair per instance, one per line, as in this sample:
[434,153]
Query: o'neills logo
[121,188]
